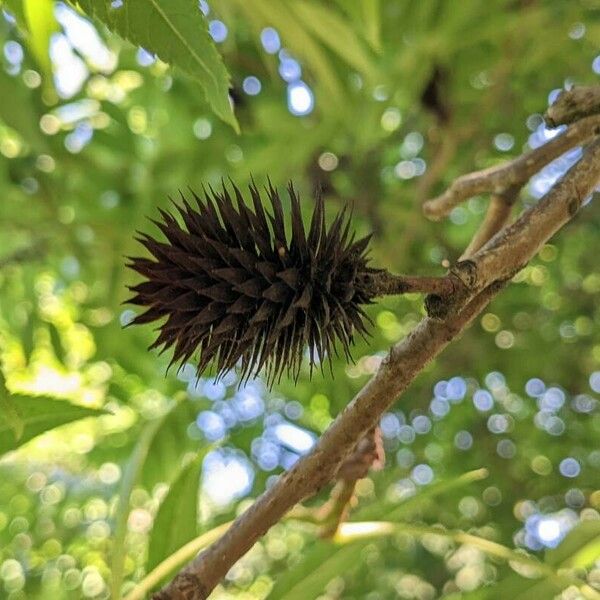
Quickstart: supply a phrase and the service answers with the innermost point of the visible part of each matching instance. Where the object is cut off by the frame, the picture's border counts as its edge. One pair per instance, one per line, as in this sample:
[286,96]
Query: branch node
[437,307]
[573,207]
[501,178]
[466,272]
[572,105]
[188,587]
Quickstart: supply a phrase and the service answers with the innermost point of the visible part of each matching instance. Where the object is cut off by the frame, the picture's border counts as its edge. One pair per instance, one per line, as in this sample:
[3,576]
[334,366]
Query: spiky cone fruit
[232,287]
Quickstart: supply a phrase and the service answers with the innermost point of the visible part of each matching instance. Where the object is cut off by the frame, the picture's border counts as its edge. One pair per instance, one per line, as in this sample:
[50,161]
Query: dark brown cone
[233,286]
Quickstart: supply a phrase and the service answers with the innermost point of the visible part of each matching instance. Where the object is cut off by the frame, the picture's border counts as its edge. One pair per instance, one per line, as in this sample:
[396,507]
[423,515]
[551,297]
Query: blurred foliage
[492,455]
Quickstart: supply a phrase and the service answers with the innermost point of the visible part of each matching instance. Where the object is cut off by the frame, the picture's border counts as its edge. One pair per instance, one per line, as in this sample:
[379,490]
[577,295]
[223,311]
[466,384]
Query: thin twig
[383,283]
[500,178]
[337,508]
[442,157]
[496,217]
[367,455]
[574,104]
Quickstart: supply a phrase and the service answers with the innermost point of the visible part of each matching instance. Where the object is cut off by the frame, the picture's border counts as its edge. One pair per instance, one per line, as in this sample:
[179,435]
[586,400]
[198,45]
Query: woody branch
[478,279]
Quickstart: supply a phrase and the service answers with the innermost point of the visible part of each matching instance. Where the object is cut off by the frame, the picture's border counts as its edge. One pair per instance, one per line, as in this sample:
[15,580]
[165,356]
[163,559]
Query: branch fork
[495,254]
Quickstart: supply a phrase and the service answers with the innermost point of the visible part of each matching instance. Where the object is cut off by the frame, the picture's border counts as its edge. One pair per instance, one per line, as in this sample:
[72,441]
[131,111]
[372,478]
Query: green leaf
[335,32]
[353,531]
[366,18]
[15,7]
[517,587]
[175,561]
[38,415]
[20,113]
[414,503]
[579,549]
[11,415]
[281,16]
[9,410]
[177,32]
[169,445]
[543,580]
[130,477]
[371,13]
[153,440]
[41,24]
[319,565]
[176,521]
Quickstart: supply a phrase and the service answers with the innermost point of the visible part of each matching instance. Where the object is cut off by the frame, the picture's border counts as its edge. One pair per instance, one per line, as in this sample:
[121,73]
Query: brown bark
[496,217]
[382,283]
[574,104]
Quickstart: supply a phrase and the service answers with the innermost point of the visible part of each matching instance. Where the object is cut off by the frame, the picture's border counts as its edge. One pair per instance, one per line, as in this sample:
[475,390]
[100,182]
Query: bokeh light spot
[218,31]
[569,467]
[300,98]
